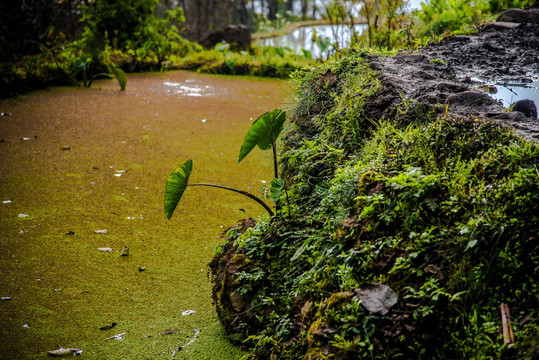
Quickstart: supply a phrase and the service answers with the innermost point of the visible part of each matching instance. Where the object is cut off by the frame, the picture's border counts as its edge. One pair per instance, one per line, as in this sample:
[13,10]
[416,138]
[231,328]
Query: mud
[456,74]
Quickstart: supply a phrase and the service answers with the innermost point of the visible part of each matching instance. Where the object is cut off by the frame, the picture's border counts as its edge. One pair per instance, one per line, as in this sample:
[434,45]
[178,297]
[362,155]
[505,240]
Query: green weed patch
[442,211]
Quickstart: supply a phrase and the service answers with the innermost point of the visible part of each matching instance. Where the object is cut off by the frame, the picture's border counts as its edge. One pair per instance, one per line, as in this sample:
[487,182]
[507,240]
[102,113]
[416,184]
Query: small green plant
[82,65]
[263,133]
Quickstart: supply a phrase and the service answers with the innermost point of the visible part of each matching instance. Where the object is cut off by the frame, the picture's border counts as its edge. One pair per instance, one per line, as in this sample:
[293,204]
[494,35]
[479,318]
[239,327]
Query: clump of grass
[443,211]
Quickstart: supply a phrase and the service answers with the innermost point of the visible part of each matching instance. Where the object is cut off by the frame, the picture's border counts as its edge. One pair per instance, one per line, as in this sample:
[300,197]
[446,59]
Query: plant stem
[251,196]
[276,170]
[275,167]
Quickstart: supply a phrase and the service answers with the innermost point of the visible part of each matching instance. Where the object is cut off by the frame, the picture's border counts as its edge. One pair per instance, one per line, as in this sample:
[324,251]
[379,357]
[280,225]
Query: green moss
[441,210]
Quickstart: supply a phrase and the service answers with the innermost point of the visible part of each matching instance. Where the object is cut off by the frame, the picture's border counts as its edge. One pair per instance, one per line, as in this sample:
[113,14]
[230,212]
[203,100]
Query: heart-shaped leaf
[263,132]
[277,186]
[176,184]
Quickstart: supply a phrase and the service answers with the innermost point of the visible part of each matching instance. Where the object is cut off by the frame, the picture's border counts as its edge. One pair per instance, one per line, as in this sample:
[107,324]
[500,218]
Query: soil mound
[453,74]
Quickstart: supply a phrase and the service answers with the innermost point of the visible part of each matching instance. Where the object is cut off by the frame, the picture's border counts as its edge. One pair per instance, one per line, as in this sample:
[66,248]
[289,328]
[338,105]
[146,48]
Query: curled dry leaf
[116,337]
[108,327]
[376,298]
[64,351]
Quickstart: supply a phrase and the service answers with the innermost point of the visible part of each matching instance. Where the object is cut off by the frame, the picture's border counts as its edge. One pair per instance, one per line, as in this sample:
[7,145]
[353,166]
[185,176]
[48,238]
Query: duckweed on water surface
[441,210]
[61,286]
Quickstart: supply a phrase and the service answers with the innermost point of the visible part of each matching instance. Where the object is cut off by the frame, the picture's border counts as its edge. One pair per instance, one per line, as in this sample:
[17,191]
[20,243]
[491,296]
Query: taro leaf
[307,54]
[263,132]
[376,298]
[122,78]
[176,184]
[222,47]
[277,186]
[230,64]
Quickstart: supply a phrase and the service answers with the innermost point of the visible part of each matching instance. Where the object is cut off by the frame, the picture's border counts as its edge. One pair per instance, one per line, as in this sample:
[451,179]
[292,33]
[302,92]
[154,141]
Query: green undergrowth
[443,211]
[62,65]
[261,61]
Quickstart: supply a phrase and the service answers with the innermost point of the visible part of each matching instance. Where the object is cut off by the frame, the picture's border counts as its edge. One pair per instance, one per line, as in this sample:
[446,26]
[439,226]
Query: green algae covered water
[82,177]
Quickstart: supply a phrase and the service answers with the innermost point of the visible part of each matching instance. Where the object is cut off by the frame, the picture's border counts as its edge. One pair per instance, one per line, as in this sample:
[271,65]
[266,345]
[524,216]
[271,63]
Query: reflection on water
[302,38]
[511,93]
[188,88]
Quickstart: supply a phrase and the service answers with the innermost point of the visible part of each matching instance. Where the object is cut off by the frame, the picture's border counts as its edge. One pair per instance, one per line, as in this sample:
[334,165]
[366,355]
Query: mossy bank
[394,198]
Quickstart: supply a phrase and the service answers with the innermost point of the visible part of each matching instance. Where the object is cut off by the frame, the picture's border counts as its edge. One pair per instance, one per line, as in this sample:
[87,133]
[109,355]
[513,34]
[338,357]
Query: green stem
[245,193]
[276,170]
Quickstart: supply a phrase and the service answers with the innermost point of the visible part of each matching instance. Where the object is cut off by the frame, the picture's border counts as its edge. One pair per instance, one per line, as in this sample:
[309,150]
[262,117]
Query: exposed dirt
[453,72]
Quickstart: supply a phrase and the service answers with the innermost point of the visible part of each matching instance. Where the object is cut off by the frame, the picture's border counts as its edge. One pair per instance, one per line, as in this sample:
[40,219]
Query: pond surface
[508,94]
[303,38]
[82,177]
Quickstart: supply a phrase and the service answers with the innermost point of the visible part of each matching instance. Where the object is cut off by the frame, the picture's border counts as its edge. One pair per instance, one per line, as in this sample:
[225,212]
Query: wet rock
[238,36]
[527,107]
[471,103]
[519,16]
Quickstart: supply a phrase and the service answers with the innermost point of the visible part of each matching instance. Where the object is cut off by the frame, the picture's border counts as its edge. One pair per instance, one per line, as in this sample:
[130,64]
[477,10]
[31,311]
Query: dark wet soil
[453,75]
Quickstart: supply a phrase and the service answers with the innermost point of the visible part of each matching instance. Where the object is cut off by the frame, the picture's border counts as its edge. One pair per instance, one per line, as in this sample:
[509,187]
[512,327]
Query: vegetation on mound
[442,211]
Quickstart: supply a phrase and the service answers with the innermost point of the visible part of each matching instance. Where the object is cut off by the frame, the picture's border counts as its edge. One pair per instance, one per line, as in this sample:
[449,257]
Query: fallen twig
[508,336]
[189,343]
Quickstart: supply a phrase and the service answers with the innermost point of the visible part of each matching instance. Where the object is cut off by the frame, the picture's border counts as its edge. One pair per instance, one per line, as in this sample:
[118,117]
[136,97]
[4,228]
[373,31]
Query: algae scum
[82,161]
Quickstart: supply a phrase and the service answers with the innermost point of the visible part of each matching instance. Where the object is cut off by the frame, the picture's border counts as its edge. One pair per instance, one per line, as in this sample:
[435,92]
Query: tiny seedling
[82,64]
[263,133]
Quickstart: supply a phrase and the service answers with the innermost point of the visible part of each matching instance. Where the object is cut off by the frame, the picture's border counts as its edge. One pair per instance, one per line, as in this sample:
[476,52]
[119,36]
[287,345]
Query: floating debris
[105,249]
[168,332]
[65,351]
[189,343]
[125,251]
[65,147]
[108,327]
[70,232]
[204,120]
[116,337]
[7,202]
[5,114]
[5,298]
[135,217]
[25,138]
[188,312]
[104,231]
[23,215]
[117,175]
[142,268]
[26,326]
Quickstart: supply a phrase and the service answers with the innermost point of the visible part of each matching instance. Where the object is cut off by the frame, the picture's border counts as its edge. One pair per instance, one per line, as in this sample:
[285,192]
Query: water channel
[82,178]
